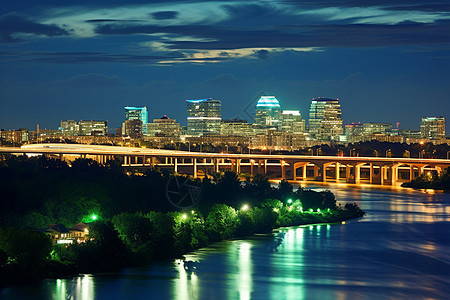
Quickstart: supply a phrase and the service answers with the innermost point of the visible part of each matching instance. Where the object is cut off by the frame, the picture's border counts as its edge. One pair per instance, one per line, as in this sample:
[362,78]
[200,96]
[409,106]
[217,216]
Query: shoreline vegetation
[138,217]
[431,180]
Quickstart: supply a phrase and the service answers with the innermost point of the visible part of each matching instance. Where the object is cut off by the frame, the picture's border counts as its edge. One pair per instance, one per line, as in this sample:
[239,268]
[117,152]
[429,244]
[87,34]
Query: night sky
[86,60]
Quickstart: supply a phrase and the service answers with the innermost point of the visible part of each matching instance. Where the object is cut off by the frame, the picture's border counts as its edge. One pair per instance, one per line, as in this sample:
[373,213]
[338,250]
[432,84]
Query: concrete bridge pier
[194,167]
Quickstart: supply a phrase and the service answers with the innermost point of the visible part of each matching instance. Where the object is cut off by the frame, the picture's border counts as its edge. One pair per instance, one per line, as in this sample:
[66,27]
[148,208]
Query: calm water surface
[400,250]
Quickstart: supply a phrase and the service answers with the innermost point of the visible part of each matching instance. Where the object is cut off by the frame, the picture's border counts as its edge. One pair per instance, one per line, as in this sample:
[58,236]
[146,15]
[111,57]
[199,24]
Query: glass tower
[325,119]
[292,122]
[203,117]
[137,113]
[268,113]
[432,127]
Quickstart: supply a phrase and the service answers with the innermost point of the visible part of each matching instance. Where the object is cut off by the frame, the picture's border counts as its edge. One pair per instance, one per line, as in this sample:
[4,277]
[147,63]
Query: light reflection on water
[401,249]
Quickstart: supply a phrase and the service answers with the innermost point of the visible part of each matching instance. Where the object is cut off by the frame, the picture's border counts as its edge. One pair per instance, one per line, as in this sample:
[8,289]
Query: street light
[388,151]
[421,154]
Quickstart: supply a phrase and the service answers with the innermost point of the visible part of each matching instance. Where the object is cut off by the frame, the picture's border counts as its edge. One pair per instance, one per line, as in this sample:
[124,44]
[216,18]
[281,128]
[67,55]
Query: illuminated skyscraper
[268,113]
[292,122]
[137,113]
[432,127]
[203,117]
[325,119]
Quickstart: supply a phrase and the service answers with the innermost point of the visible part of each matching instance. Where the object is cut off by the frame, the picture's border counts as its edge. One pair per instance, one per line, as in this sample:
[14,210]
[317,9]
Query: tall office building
[203,117]
[132,128]
[70,128]
[137,113]
[433,128]
[292,122]
[268,113]
[325,119]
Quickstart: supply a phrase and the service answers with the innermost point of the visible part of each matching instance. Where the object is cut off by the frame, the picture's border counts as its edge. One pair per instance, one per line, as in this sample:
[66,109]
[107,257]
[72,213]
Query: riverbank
[93,256]
[130,216]
[431,180]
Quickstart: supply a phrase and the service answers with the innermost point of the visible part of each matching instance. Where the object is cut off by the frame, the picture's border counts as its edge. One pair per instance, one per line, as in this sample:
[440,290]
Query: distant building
[433,128]
[70,128]
[292,122]
[353,132]
[137,113]
[164,127]
[132,128]
[83,128]
[325,119]
[203,117]
[373,128]
[268,113]
[15,137]
[93,127]
[236,127]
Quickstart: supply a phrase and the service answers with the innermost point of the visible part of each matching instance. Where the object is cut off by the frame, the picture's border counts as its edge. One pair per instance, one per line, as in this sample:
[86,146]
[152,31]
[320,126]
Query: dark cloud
[409,5]
[99,57]
[348,35]
[262,54]
[165,15]
[14,23]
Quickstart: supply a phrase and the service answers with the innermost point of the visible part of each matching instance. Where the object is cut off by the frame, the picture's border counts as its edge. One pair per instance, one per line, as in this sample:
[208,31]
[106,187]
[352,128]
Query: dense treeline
[431,180]
[137,223]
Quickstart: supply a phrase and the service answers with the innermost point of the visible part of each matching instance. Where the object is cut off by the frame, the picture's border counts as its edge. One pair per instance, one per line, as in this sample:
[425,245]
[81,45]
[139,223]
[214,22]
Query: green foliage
[27,248]
[134,229]
[431,180]
[3,258]
[163,234]
[222,220]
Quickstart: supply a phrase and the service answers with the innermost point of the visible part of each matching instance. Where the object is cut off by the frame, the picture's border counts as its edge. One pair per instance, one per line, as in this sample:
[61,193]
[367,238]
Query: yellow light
[184,216]
[192,211]
[343,222]
[275,209]
[244,207]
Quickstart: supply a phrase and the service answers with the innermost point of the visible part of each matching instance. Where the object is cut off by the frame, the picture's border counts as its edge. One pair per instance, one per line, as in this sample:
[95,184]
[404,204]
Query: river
[399,250]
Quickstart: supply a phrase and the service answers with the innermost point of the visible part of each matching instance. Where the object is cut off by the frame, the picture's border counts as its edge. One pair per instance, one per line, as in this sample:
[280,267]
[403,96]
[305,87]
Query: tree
[27,248]
[222,220]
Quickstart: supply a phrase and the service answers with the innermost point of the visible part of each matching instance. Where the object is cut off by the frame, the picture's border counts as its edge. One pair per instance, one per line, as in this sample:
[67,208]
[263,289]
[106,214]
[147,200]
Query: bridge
[356,170]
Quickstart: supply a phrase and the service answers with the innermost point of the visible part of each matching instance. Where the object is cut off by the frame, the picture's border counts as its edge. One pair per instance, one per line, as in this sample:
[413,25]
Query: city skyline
[86,60]
[250,119]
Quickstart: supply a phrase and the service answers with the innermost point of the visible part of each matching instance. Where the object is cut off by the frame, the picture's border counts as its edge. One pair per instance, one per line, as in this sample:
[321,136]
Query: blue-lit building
[203,117]
[137,113]
[268,113]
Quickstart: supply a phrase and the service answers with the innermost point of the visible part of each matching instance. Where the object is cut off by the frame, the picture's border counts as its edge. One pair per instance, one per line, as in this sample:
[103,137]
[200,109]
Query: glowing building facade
[137,113]
[325,119]
[292,122]
[164,127]
[203,117]
[268,113]
[372,128]
[433,128]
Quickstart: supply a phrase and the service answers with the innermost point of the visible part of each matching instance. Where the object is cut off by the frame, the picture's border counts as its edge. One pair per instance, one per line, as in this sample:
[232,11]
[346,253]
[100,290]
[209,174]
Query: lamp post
[448,156]
[388,151]
[421,154]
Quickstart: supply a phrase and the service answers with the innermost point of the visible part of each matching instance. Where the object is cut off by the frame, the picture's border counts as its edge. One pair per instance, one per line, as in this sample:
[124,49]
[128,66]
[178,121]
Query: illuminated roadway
[380,170]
